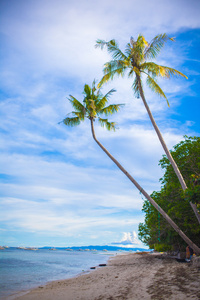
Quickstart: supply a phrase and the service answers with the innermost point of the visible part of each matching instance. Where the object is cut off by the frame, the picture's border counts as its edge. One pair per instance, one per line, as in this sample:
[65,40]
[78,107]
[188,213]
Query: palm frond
[111,109]
[109,93]
[156,88]
[102,100]
[76,104]
[100,44]
[135,87]
[132,41]
[131,73]
[116,52]
[100,103]
[142,42]
[109,125]
[128,50]
[156,45]
[72,121]
[160,71]
[93,85]
[111,69]
[80,115]
[153,70]
[87,90]
[116,65]
[93,89]
[171,72]
[113,48]
[150,68]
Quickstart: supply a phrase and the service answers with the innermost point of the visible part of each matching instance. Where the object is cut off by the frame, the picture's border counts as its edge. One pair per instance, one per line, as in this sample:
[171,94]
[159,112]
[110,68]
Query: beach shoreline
[130,276]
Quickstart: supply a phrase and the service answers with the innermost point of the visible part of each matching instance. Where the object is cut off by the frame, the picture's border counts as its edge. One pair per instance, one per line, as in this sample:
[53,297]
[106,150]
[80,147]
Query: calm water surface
[25,269]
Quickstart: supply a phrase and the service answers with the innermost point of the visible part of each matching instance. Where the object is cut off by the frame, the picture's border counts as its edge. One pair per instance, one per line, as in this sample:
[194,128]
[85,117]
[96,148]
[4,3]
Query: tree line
[155,231]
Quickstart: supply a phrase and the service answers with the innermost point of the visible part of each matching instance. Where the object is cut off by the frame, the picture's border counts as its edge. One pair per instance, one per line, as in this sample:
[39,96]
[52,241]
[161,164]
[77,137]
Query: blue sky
[57,186]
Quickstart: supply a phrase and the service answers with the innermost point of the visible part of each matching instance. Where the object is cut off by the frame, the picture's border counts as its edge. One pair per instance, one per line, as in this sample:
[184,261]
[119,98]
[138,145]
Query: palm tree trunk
[169,156]
[194,207]
[157,207]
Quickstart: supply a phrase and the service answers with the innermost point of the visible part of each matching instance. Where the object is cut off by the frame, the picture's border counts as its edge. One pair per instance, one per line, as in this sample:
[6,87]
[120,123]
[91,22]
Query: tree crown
[135,61]
[93,106]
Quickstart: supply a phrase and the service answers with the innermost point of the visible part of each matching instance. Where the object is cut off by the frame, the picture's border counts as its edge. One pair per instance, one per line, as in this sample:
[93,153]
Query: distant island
[80,248]
[98,248]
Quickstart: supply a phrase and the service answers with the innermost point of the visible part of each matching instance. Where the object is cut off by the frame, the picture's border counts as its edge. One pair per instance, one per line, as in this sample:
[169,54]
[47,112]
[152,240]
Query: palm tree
[92,108]
[134,60]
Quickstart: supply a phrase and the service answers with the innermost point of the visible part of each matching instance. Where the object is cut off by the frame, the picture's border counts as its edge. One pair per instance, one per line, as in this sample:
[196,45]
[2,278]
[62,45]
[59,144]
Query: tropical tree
[94,107]
[155,231]
[135,61]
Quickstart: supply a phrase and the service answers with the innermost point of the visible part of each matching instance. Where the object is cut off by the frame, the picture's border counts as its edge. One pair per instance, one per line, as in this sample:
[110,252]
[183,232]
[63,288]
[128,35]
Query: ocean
[21,270]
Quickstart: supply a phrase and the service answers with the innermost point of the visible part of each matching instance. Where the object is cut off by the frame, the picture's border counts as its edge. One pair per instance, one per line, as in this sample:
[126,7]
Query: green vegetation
[155,231]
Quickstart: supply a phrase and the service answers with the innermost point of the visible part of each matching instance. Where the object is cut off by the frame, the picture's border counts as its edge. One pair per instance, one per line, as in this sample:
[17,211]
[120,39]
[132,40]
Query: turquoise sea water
[25,269]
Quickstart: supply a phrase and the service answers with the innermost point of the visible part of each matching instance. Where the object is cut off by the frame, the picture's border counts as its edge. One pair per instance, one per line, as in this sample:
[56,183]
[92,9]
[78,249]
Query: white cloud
[129,239]
[46,217]
[60,37]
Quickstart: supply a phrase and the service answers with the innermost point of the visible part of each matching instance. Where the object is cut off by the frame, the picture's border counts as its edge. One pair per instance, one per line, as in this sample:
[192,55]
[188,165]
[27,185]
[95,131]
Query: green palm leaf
[87,90]
[156,88]
[111,69]
[80,115]
[101,44]
[102,101]
[160,71]
[112,47]
[156,45]
[109,125]
[135,87]
[109,93]
[150,68]
[72,121]
[128,50]
[111,109]
[172,72]
[76,104]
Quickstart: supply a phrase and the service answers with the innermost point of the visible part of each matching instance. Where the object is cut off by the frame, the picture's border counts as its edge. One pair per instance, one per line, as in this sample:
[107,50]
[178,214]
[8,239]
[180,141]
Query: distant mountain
[99,248]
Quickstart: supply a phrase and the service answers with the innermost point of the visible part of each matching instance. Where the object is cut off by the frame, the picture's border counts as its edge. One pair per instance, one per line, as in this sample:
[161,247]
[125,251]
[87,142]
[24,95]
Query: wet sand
[127,277]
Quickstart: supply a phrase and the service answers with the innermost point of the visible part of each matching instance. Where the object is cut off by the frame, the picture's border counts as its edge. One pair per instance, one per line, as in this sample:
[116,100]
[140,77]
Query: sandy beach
[132,276]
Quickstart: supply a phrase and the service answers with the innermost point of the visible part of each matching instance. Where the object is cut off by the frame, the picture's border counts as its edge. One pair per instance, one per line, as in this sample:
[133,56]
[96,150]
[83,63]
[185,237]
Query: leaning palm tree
[135,61]
[94,107]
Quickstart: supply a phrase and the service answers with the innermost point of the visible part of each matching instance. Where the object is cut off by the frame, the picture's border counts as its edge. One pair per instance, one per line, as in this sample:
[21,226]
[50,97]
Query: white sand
[132,276]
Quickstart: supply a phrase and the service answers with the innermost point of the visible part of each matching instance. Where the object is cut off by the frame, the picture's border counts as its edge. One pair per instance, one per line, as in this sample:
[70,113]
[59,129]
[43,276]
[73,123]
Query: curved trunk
[169,156]
[157,207]
[194,207]
[167,152]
